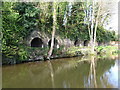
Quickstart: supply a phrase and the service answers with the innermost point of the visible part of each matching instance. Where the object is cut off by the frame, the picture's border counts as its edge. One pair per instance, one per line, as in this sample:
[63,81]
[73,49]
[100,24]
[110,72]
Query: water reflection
[63,73]
[51,73]
[113,74]
[92,73]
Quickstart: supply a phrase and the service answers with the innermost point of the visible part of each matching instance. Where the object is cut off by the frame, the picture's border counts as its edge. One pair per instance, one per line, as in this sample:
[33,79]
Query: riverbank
[40,54]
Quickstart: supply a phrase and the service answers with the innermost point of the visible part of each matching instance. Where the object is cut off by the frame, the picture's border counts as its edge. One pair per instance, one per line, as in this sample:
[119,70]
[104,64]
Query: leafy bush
[29,16]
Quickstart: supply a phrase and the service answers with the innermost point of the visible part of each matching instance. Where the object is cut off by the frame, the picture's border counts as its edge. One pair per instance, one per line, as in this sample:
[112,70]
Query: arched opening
[86,43]
[76,43]
[55,43]
[36,42]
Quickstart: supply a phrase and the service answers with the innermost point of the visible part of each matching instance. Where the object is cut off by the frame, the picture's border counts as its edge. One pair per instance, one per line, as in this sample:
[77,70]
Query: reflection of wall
[67,73]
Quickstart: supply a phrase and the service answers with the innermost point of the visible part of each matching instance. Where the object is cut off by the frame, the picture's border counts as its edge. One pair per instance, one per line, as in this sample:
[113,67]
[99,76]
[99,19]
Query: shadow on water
[63,73]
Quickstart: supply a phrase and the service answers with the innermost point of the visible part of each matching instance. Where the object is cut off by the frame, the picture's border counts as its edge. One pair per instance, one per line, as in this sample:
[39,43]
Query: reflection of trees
[0,77]
[28,75]
[104,66]
[98,68]
[51,73]
[92,74]
[69,73]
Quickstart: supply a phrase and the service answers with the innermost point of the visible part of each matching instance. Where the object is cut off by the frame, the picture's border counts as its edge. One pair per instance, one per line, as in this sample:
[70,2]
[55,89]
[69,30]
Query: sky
[113,25]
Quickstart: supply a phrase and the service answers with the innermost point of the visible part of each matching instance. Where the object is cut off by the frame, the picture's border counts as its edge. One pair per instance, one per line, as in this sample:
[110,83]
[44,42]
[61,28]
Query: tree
[54,29]
[29,15]
[94,12]
[45,17]
[12,37]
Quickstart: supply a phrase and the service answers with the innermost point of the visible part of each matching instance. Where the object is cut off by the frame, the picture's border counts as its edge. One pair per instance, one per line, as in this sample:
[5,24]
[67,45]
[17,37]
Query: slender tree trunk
[92,31]
[93,23]
[96,24]
[54,30]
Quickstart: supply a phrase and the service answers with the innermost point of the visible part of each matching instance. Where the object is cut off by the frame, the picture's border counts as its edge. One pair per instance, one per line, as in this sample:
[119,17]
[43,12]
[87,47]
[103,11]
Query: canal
[77,72]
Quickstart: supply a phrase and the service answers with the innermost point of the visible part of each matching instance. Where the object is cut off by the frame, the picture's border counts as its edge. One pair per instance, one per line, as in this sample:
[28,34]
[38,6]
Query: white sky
[114,18]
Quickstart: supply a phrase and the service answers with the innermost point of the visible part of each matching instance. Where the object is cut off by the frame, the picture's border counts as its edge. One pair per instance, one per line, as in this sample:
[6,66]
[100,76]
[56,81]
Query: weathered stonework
[37,34]
[46,40]
[79,43]
[68,43]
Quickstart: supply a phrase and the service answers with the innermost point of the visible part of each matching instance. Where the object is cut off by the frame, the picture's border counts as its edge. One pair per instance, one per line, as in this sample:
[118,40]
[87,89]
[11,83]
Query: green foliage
[106,49]
[29,16]
[104,35]
[46,17]
[11,34]
[19,19]
[22,54]
[58,51]
[74,27]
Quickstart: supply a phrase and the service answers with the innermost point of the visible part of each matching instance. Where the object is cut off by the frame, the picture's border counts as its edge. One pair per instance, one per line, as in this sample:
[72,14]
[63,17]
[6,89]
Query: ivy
[29,16]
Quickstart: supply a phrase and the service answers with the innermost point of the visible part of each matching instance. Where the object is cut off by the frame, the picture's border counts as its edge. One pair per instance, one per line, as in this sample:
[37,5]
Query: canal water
[77,72]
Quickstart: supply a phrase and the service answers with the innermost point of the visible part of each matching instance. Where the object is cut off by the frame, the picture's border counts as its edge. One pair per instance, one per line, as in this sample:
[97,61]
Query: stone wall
[45,39]
[60,42]
[37,34]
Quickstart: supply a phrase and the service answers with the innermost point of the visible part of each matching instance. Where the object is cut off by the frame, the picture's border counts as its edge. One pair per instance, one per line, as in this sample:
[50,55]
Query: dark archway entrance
[36,42]
[55,43]
[76,43]
[86,43]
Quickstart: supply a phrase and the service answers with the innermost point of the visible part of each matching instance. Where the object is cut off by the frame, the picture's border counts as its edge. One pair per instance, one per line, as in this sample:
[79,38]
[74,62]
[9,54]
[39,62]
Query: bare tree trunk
[93,19]
[92,31]
[96,24]
[54,30]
